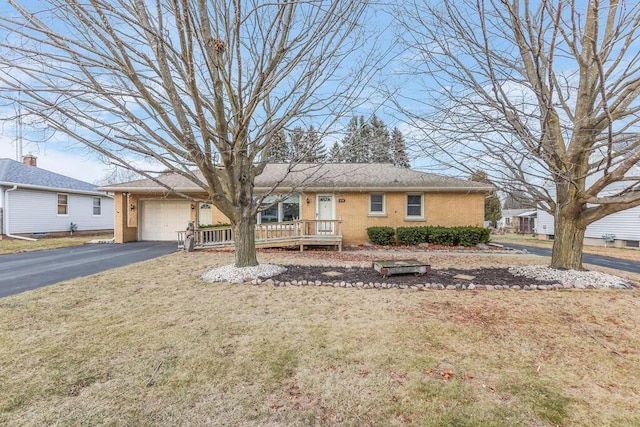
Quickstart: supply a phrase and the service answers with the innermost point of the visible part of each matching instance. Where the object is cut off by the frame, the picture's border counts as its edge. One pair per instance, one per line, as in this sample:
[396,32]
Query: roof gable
[16,173]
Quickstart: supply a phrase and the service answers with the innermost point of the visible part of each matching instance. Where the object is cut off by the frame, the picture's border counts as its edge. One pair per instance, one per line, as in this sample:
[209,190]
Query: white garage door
[162,218]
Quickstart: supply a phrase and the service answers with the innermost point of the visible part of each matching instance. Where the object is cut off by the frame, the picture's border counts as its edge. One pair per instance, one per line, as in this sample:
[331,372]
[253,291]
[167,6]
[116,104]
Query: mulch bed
[485,276]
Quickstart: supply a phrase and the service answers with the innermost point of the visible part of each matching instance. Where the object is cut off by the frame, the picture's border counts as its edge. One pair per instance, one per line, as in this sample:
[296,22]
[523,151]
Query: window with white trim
[63,204]
[286,210]
[376,204]
[414,207]
[97,206]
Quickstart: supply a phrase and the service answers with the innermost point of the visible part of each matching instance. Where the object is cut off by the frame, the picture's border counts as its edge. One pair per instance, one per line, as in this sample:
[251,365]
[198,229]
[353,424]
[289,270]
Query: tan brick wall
[445,209]
[123,231]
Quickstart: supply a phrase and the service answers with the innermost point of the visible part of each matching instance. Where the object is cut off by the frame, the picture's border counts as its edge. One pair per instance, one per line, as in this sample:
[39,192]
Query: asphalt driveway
[30,270]
[602,261]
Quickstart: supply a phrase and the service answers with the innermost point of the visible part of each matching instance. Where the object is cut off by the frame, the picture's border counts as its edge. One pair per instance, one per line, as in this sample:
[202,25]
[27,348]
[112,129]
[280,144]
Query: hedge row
[445,236]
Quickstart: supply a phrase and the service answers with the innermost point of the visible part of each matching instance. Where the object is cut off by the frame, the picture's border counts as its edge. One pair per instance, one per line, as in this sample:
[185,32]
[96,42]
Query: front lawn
[151,344]
[9,246]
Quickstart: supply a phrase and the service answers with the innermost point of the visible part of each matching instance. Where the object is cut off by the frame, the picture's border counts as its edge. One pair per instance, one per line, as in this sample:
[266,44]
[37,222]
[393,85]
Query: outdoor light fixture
[132,207]
[308,200]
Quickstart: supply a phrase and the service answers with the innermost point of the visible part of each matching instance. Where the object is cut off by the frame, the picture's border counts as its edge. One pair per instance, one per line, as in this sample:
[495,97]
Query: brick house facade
[360,195]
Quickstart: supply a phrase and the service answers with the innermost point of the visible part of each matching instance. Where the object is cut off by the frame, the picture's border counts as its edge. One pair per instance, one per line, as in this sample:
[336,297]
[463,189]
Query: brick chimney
[30,160]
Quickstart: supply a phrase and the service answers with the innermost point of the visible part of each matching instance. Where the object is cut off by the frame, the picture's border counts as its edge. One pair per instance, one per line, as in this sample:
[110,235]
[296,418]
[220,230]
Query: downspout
[6,217]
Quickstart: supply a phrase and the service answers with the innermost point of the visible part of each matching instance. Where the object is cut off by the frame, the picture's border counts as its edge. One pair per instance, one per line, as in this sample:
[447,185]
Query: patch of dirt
[485,276]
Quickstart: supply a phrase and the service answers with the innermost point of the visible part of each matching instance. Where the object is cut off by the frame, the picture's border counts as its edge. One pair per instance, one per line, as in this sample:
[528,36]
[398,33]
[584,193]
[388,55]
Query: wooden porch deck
[273,235]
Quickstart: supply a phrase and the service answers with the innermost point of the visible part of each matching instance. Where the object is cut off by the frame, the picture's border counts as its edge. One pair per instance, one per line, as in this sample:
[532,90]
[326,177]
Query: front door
[325,214]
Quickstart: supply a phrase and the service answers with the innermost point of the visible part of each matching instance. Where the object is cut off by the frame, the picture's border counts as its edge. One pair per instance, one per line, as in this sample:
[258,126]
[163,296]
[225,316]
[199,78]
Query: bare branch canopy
[186,85]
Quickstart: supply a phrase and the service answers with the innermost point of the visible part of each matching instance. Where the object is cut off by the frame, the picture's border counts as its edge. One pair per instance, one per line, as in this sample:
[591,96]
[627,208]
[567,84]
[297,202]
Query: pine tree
[349,141]
[314,149]
[278,152]
[399,149]
[362,146]
[335,153]
[379,142]
[296,150]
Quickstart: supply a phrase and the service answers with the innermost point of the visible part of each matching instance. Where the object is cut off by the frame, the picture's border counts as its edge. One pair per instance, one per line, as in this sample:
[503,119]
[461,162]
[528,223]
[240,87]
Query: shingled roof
[323,177]
[25,176]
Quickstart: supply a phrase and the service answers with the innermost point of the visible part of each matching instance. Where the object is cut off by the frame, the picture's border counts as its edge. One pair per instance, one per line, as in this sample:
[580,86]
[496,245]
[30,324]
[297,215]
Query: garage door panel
[161,219]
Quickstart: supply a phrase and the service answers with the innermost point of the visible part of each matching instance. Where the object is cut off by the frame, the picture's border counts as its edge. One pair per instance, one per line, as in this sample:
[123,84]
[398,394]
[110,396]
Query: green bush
[471,236]
[412,235]
[442,236]
[382,235]
[437,235]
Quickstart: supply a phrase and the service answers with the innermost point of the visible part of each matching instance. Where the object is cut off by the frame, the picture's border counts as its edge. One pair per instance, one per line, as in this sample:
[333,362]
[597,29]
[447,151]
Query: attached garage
[161,219]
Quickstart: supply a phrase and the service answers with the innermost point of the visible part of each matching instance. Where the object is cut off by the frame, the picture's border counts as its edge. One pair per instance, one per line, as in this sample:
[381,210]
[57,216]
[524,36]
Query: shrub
[471,236]
[442,236]
[412,235]
[381,235]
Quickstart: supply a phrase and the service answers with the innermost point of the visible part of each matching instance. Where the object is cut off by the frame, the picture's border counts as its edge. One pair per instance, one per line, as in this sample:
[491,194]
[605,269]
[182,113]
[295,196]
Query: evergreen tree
[379,142]
[349,141]
[492,205]
[399,149]
[297,150]
[362,146]
[335,153]
[314,149]
[278,151]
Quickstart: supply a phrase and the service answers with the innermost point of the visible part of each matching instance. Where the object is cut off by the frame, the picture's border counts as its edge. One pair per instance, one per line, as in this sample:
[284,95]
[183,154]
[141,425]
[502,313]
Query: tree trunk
[244,236]
[567,244]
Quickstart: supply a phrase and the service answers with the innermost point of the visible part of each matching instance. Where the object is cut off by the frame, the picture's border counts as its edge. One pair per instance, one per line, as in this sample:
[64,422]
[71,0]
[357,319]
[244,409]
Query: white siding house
[36,201]
[621,229]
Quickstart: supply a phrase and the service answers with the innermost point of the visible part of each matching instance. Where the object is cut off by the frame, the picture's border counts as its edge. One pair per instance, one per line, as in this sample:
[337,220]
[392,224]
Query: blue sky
[61,155]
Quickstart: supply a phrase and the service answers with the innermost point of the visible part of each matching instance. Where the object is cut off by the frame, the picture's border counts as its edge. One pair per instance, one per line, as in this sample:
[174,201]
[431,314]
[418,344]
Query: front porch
[273,235]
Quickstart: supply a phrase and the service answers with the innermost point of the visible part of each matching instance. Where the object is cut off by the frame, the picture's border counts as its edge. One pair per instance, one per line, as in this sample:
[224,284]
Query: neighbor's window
[414,206]
[376,204]
[63,204]
[97,206]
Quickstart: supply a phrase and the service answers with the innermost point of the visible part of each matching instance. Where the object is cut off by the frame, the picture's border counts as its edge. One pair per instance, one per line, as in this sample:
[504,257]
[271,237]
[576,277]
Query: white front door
[325,213]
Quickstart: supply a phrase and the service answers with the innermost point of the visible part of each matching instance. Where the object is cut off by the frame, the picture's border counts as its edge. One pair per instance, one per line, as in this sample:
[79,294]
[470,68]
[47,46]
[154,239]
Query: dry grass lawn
[10,246]
[151,344]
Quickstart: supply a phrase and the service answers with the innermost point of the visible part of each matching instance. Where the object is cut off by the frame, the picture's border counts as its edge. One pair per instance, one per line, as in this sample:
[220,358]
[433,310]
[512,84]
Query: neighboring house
[518,221]
[621,229]
[36,201]
[360,195]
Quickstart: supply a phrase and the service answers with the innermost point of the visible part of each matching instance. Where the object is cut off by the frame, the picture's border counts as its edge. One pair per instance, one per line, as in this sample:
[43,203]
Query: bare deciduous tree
[177,83]
[542,96]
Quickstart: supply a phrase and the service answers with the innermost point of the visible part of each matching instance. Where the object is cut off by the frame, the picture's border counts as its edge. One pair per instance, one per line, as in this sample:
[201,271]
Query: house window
[291,208]
[63,204]
[376,204]
[632,243]
[414,207]
[97,206]
[285,210]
